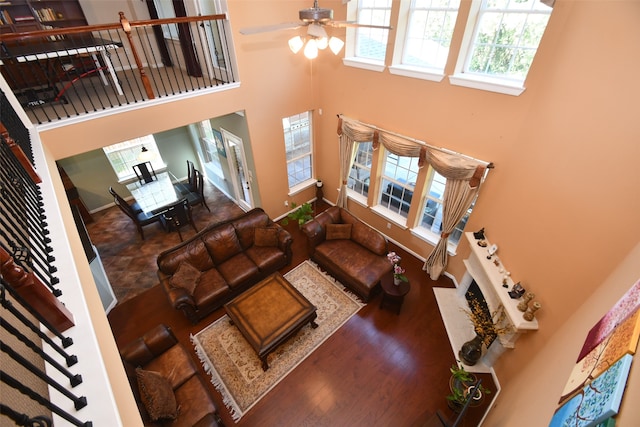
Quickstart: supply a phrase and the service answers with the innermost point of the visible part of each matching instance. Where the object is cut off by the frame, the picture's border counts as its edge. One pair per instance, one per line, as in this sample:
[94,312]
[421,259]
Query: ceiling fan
[315,19]
[314,16]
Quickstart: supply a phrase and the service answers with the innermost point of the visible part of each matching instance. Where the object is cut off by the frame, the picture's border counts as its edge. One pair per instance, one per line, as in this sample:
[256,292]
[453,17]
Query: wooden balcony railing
[67,72]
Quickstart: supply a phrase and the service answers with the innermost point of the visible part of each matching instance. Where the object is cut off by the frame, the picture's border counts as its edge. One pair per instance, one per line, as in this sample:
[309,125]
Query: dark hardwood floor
[379,369]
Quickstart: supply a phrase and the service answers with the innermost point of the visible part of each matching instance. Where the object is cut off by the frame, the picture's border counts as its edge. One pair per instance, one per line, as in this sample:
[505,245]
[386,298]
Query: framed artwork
[217,136]
[597,401]
[623,340]
[629,302]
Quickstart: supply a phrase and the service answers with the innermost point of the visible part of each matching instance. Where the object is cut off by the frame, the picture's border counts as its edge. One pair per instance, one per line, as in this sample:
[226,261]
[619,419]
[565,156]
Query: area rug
[235,369]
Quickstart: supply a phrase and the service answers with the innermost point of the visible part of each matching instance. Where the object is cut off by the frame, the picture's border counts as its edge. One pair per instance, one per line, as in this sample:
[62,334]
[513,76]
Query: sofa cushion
[156,395]
[338,231]
[211,287]
[267,258]
[174,364]
[195,403]
[238,270]
[266,236]
[222,243]
[246,224]
[186,276]
[194,252]
[353,261]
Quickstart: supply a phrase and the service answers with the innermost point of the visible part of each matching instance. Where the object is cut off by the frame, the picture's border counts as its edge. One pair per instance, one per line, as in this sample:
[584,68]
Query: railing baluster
[153,77]
[24,419]
[78,402]
[12,382]
[74,379]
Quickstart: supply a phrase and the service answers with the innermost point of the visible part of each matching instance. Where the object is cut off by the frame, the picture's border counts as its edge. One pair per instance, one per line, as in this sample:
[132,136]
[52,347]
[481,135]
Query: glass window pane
[359,176]
[124,155]
[298,147]
[507,38]
[398,183]
[371,43]
[428,37]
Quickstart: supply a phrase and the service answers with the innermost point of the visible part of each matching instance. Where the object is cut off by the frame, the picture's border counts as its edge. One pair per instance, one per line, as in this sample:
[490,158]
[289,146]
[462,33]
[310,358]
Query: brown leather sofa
[203,273]
[350,250]
[166,383]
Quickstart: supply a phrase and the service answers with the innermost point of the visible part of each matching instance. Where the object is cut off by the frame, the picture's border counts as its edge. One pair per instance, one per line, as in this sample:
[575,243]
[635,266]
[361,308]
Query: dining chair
[196,196]
[191,176]
[139,218]
[144,171]
[178,215]
[135,206]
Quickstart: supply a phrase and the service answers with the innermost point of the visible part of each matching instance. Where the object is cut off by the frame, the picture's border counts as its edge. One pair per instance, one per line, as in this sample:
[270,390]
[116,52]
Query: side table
[393,295]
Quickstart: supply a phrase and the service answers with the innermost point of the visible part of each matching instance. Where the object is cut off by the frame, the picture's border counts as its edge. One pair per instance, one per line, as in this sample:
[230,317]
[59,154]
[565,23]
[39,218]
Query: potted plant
[460,385]
[301,215]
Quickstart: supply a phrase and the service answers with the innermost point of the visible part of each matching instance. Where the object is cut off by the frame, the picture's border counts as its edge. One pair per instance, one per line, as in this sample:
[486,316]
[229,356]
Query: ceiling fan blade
[276,27]
[342,24]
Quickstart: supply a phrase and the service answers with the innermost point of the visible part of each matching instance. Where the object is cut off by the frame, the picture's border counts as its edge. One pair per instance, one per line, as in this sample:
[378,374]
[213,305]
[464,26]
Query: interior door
[241,176]
[216,58]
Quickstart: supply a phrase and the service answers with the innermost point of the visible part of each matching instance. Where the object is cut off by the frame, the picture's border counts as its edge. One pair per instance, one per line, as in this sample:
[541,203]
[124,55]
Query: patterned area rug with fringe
[236,370]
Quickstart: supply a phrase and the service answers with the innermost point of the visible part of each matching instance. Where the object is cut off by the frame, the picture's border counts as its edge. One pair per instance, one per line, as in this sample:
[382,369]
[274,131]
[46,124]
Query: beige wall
[561,203]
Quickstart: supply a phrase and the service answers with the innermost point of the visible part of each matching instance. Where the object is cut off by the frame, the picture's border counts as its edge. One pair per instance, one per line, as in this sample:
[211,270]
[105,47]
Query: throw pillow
[186,276]
[338,231]
[156,395]
[265,236]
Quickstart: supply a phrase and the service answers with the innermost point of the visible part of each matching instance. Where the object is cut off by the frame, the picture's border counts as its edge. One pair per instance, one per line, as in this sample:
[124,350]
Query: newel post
[126,26]
[34,292]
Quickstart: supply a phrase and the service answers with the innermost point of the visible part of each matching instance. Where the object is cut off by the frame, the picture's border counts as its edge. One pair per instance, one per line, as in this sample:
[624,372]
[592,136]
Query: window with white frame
[431,218]
[424,44]
[398,182]
[299,148]
[124,155]
[360,174]
[369,44]
[500,42]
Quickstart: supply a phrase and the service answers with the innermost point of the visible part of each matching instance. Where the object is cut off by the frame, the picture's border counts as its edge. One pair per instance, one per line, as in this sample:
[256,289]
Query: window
[504,41]
[431,219]
[369,44]
[424,47]
[124,155]
[361,170]
[398,183]
[297,141]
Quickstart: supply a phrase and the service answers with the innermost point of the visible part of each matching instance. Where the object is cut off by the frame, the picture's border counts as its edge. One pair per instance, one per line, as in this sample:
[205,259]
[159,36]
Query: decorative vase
[524,304]
[396,281]
[471,351]
[528,315]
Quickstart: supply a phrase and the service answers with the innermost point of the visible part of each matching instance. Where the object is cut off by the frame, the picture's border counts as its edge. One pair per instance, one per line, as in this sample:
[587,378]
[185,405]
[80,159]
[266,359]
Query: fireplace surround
[494,284]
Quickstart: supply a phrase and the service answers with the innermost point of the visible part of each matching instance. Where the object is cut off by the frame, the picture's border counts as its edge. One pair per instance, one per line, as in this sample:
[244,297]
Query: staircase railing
[67,72]
[33,348]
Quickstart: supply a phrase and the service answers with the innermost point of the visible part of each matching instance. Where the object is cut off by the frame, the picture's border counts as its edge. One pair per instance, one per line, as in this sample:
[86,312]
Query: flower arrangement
[398,272]
[485,324]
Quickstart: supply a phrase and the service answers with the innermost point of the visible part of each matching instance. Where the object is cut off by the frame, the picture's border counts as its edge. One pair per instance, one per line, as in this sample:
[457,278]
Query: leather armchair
[159,351]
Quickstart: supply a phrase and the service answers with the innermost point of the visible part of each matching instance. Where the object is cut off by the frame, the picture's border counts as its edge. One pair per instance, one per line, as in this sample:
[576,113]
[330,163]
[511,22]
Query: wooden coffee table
[269,313]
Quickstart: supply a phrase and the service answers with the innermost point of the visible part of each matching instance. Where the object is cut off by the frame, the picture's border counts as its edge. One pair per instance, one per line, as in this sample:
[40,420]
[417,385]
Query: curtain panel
[464,176]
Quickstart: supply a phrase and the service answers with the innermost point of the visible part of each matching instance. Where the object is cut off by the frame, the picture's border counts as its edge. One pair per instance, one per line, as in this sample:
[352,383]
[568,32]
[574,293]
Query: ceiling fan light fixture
[335,44]
[311,49]
[322,43]
[295,44]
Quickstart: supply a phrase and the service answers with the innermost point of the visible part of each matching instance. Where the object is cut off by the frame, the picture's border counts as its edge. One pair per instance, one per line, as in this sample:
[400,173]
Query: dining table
[154,197]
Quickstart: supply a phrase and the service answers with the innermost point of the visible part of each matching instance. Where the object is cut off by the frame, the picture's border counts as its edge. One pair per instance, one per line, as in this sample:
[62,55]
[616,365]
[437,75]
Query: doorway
[241,176]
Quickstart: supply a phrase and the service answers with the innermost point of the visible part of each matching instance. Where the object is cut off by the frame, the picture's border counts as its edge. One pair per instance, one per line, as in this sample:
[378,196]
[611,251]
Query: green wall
[92,174]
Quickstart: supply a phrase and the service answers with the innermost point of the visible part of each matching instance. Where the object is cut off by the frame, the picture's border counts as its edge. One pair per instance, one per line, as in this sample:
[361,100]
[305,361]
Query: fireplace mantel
[452,303]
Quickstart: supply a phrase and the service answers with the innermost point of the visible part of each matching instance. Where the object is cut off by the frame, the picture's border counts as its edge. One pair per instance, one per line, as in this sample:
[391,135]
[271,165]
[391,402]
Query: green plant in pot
[460,385]
[301,215]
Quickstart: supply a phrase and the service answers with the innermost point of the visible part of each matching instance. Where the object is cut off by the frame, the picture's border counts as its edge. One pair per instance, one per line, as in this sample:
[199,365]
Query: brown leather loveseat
[350,250]
[165,381]
[203,273]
